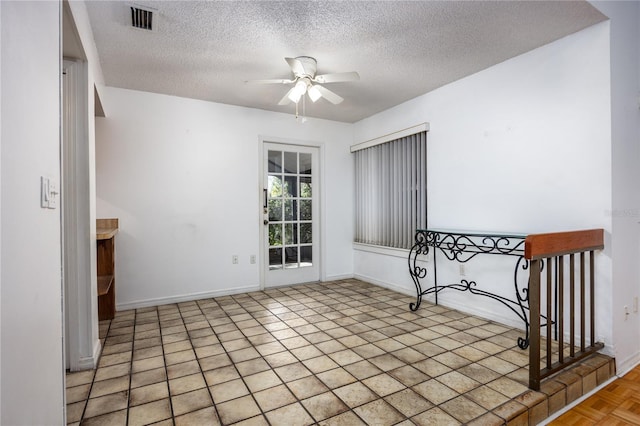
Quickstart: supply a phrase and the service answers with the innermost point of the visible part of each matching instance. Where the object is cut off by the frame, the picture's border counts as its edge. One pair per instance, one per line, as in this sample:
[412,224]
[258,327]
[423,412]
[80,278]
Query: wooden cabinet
[106,230]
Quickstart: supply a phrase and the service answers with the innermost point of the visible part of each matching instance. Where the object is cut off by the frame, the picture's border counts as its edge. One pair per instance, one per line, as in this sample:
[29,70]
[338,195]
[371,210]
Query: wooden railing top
[537,246]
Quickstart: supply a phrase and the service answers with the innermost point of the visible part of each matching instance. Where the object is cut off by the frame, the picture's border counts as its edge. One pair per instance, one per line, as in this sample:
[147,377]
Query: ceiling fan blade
[271,81]
[337,77]
[286,100]
[296,66]
[329,95]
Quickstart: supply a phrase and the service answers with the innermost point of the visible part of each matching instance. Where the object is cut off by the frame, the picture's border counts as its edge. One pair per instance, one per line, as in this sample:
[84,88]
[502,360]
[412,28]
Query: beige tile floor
[338,353]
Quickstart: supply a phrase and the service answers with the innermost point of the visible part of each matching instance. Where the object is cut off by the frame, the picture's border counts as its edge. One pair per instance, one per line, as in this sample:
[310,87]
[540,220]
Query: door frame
[262,139]
[80,306]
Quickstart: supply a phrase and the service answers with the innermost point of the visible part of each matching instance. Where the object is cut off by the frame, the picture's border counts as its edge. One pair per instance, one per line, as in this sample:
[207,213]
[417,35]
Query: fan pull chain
[301,119]
[304,108]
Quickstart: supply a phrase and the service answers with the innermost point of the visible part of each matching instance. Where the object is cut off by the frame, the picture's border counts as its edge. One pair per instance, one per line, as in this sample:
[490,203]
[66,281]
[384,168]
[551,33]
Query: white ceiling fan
[305,80]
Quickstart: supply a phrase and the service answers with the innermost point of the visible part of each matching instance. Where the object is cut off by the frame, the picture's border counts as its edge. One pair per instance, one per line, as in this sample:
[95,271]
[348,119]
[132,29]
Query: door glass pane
[275,161]
[290,186]
[275,258]
[290,210]
[291,162]
[305,209]
[306,253]
[305,186]
[290,233]
[275,234]
[275,186]
[305,233]
[305,164]
[291,257]
[275,210]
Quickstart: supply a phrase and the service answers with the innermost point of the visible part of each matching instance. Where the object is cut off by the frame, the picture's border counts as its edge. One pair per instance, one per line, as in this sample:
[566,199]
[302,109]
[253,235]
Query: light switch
[48,193]
[53,194]
[44,192]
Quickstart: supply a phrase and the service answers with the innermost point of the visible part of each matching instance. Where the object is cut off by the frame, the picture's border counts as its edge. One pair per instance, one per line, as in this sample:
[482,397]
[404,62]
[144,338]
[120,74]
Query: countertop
[106,228]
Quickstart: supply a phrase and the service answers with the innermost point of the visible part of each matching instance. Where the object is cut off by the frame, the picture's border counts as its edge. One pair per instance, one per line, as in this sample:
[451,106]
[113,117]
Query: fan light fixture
[314,93]
[298,90]
[302,87]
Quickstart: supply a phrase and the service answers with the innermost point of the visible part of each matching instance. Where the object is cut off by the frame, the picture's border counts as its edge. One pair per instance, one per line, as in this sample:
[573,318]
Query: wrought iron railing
[461,247]
[561,286]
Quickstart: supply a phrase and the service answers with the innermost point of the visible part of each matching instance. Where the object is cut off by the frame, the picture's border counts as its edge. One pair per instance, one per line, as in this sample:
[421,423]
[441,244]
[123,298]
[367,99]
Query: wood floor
[616,404]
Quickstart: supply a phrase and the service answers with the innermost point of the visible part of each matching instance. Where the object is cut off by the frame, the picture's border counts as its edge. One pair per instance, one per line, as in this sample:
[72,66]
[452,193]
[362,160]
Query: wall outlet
[463,272]
[234,259]
[626,312]
[635,304]
[252,259]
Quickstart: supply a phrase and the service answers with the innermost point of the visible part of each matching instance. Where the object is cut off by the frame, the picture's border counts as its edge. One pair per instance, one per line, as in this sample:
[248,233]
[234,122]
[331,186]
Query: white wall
[31,334]
[182,176]
[0,214]
[625,211]
[524,147]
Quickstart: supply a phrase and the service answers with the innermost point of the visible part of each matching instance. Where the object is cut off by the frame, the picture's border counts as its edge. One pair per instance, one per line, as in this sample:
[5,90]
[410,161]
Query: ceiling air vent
[141,18]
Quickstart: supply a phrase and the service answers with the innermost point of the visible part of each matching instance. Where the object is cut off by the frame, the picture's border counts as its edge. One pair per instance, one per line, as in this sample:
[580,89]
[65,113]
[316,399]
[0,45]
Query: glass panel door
[291,233]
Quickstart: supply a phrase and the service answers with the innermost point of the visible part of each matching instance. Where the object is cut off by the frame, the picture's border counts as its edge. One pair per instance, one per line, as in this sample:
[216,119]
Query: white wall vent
[141,18]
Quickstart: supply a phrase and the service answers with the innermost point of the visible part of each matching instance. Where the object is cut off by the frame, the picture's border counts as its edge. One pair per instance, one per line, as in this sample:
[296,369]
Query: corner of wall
[0,203]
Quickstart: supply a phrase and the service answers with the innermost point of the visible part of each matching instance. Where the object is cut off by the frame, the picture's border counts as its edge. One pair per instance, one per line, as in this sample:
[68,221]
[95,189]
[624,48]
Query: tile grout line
[133,348]
[95,373]
[204,379]
[213,402]
[166,370]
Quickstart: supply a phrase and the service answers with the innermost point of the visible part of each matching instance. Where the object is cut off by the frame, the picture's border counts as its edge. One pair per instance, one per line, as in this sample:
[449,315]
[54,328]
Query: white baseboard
[184,298]
[628,364]
[89,362]
[384,284]
[338,277]
[511,321]
[203,295]
[471,310]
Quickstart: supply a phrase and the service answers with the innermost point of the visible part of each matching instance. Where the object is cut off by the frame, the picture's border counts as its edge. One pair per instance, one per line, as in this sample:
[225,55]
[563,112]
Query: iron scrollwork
[462,247]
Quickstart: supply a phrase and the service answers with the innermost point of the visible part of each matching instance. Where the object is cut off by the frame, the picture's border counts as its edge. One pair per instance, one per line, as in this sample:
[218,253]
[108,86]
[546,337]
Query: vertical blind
[391,191]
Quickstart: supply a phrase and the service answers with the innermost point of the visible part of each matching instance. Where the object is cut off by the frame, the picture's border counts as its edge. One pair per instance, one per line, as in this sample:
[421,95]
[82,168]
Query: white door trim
[82,344]
[262,139]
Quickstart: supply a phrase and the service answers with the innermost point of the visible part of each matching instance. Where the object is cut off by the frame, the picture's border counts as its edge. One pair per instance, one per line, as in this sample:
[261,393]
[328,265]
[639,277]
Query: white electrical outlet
[252,259]
[635,304]
[462,270]
[234,259]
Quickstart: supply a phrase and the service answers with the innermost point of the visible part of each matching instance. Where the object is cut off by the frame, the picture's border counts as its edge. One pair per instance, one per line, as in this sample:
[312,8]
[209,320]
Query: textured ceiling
[206,50]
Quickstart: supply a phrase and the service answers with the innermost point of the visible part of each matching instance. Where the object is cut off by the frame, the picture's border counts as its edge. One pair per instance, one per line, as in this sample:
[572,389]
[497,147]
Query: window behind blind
[391,191]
